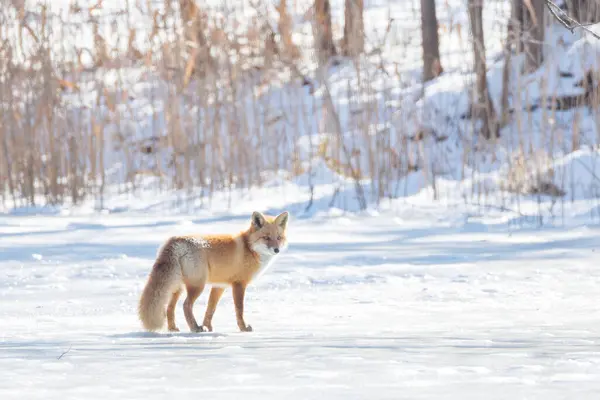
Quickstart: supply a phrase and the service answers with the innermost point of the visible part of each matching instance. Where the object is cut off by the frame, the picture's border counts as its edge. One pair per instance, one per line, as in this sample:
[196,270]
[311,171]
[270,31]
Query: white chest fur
[266,260]
[266,257]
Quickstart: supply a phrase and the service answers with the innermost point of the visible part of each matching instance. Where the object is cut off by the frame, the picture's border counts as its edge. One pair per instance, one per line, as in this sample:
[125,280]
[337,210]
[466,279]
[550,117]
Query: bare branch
[64,353]
[566,20]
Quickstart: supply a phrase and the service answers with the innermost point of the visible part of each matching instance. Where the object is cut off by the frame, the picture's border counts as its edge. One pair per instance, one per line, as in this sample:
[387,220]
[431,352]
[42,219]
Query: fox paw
[246,328]
[207,327]
[173,329]
[199,329]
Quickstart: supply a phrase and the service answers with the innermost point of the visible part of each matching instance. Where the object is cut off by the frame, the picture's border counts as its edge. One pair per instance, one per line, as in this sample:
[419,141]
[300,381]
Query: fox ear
[258,220]
[282,219]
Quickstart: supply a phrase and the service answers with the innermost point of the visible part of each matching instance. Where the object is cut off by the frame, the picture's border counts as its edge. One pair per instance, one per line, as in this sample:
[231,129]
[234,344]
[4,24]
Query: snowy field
[413,302]
[374,307]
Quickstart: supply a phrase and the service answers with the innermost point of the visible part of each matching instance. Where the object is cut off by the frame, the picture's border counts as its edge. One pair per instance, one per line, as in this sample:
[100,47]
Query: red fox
[220,260]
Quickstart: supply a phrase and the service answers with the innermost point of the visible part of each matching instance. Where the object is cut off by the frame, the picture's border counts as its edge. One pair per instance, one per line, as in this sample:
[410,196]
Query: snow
[415,304]
[449,286]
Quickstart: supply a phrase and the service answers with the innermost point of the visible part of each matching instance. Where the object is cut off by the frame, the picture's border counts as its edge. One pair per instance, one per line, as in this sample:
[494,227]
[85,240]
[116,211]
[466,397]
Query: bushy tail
[159,288]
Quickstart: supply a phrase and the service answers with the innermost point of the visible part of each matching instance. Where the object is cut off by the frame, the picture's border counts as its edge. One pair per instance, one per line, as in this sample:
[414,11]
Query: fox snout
[265,248]
[270,245]
[273,246]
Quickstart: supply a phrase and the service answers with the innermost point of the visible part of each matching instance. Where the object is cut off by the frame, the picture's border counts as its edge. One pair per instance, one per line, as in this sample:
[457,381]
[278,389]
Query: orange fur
[220,260]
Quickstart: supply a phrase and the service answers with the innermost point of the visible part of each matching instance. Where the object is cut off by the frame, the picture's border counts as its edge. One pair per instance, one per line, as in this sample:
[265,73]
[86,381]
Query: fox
[221,260]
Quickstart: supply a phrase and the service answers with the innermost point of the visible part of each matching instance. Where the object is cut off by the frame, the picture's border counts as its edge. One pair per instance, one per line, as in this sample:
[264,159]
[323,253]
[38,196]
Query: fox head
[267,234]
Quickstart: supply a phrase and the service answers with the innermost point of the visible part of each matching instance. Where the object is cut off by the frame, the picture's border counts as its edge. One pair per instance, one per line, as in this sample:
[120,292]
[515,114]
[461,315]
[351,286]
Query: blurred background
[183,105]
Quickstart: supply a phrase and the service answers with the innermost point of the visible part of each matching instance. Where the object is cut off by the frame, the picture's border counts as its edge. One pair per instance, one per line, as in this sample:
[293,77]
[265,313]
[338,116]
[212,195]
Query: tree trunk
[482,108]
[322,32]
[289,49]
[512,39]
[533,27]
[516,23]
[583,11]
[432,66]
[198,46]
[504,108]
[354,28]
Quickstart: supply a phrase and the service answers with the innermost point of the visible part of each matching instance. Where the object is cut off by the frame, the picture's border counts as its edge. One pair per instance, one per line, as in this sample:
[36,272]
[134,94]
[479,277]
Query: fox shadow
[161,335]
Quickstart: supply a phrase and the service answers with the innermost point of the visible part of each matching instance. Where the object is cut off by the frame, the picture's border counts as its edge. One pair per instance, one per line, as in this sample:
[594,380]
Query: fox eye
[278,237]
[266,238]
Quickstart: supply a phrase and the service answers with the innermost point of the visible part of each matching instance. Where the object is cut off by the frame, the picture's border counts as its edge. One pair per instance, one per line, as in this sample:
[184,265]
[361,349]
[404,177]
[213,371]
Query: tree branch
[64,353]
[566,20]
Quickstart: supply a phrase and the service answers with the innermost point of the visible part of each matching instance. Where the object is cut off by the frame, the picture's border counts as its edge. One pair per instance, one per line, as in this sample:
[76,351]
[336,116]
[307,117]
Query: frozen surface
[375,307]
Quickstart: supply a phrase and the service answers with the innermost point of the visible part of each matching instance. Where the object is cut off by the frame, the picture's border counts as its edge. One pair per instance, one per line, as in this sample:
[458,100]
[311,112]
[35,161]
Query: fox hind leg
[171,311]
[193,292]
[213,300]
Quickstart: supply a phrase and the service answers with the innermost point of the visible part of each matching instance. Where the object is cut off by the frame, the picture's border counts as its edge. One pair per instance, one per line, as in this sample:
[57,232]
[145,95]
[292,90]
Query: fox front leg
[239,291]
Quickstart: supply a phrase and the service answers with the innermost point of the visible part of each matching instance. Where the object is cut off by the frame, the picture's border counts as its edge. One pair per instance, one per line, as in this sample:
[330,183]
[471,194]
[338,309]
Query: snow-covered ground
[415,305]
[464,297]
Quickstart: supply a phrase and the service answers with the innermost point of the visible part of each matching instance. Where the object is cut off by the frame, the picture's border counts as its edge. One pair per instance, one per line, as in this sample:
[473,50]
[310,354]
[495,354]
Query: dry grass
[214,130]
[204,103]
[531,175]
